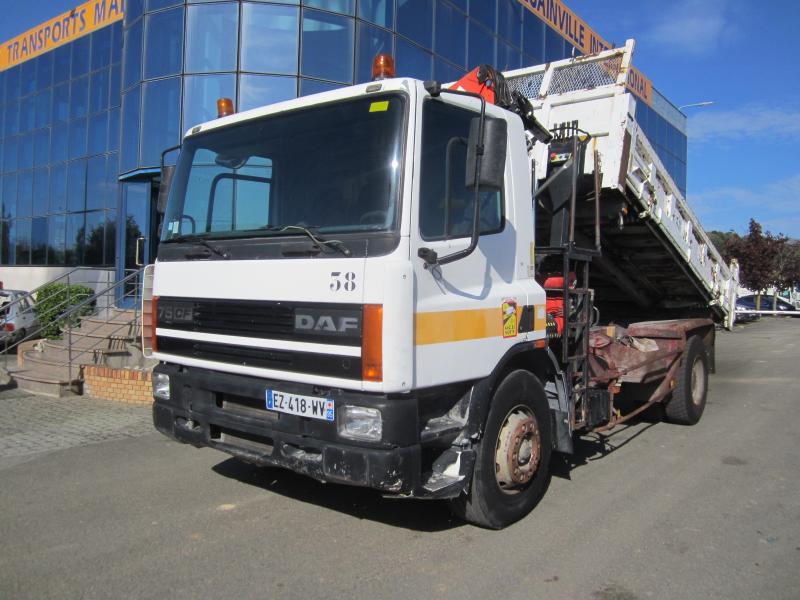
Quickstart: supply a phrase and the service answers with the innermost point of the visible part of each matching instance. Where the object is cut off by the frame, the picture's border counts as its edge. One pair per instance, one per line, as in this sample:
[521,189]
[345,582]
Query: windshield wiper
[196,239]
[321,243]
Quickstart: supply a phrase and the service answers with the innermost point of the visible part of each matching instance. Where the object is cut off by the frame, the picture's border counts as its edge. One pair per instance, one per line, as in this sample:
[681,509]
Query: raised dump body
[657,262]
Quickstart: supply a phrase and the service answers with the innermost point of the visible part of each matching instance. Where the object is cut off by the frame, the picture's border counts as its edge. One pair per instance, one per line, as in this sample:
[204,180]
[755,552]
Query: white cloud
[748,122]
[775,205]
[692,26]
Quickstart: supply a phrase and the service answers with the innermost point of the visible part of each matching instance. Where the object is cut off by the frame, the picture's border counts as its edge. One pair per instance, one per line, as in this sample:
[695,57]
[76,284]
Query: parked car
[749,303]
[17,317]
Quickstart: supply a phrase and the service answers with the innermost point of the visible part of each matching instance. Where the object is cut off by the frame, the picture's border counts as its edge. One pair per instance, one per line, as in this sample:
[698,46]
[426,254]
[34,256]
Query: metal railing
[101,307]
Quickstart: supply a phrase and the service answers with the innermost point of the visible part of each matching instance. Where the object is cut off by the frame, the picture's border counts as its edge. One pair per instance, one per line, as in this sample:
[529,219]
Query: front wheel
[512,467]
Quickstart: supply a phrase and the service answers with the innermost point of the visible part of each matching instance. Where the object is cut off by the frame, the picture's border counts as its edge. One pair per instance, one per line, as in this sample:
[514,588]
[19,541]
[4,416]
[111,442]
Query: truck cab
[294,319]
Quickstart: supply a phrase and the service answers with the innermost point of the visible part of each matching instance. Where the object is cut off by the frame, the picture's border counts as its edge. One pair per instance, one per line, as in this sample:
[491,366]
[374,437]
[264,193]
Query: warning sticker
[381,106]
[509,311]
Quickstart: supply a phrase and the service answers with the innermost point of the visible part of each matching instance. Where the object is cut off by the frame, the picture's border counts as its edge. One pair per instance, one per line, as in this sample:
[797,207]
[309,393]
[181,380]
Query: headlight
[161,386]
[360,423]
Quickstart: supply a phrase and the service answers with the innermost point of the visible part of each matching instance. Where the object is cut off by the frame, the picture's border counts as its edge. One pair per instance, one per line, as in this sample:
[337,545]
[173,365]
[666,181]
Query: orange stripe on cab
[458,325]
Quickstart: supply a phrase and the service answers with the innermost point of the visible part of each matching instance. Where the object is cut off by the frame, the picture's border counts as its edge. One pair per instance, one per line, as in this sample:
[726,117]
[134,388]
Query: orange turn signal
[372,343]
[382,67]
[224,107]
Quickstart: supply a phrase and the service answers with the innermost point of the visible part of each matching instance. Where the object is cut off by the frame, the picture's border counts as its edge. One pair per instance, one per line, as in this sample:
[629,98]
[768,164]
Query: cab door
[466,312]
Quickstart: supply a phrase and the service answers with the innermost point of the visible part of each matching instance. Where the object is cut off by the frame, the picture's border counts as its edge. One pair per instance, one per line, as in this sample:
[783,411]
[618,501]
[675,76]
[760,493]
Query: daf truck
[429,289]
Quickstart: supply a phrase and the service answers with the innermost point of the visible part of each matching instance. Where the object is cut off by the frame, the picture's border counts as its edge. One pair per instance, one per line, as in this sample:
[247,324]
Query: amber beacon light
[224,107]
[382,67]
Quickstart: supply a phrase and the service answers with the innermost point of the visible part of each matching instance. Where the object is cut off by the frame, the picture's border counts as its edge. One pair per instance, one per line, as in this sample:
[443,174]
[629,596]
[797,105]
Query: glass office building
[83,125]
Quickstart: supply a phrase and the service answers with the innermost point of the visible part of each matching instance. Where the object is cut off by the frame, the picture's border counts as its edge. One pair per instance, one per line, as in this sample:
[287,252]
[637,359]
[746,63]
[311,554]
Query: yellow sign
[67,27]
[576,31]
[379,106]
[509,313]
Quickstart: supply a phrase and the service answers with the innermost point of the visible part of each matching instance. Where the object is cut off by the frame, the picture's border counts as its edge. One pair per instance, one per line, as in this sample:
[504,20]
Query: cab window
[446,205]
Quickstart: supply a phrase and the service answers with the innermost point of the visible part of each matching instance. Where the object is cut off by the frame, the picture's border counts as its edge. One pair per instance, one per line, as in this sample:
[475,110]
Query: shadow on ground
[595,446]
[362,503]
[415,514]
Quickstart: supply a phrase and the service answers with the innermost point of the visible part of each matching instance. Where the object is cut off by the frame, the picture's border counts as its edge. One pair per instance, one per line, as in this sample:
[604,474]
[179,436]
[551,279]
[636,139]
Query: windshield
[333,167]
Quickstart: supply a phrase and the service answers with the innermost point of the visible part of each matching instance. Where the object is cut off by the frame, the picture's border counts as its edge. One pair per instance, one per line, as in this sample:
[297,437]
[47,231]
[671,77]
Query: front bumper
[227,412]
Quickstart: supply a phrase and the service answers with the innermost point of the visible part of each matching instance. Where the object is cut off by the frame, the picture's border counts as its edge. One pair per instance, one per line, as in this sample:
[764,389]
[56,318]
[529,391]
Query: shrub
[56,298]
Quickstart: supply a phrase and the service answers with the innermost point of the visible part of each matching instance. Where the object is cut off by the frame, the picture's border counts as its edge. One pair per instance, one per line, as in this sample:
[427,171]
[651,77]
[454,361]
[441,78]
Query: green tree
[757,254]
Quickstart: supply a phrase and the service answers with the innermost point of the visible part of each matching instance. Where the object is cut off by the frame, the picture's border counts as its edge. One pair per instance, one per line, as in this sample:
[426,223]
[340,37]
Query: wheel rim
[698,382]
[518,450]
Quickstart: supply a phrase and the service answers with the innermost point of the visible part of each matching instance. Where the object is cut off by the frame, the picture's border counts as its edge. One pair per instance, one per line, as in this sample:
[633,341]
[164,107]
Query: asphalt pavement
[94,504]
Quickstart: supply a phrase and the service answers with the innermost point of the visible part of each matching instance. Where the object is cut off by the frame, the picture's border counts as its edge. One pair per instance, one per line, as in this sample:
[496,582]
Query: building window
[58,188]
[269,39]
[132,69]
[481,46]
[56,238]
[25,194]
[413,61]
[77,138]
[345,7]
[161,119]
[98,92]
[129,142]
[260,90]
[484,11]
[39,241]
[79,97]
[76,185]
[451,33]
[380,12]
[509,21]
[415,21]
[44,71]
[327,46]
[101,48]
[200,94]
[80,56]
[163,52]
[98,133]
[212,38]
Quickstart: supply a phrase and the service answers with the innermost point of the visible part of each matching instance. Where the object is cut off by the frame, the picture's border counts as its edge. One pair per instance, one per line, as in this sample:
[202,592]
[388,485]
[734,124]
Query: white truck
[389,285]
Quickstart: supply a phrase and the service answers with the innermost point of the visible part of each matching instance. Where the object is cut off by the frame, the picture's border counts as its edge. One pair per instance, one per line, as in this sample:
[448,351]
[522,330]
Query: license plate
[302,406]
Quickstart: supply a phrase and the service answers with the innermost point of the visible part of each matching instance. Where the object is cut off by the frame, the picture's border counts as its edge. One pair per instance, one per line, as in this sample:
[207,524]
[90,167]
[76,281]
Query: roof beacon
[224,107]
[382,67]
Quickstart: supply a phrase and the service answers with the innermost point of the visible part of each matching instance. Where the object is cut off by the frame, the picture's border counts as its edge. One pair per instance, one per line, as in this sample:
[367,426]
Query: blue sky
[742,55]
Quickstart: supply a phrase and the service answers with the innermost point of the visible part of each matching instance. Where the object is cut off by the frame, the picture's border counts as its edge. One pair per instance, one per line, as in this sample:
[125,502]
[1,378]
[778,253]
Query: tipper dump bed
[656,262]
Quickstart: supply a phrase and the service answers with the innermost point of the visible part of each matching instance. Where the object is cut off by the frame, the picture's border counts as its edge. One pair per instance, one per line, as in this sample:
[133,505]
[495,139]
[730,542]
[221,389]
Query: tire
[689,396]
[496,497]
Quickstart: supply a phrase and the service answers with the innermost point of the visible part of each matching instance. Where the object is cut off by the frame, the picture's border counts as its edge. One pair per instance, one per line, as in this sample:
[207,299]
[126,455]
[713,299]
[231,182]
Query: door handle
[139,261]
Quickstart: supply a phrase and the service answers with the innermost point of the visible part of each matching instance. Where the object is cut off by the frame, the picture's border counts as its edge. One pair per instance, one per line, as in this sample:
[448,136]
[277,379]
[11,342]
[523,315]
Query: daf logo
[326,323]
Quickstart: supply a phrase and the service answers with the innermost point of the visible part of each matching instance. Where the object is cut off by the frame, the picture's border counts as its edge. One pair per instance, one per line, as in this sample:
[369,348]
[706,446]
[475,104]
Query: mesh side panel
[585,75]
[527,85]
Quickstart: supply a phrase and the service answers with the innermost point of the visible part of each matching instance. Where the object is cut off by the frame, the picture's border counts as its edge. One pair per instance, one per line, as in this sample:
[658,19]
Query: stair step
[83,342]
[58,352]
[60,370]
[58,355]
[107,328]
[36,382]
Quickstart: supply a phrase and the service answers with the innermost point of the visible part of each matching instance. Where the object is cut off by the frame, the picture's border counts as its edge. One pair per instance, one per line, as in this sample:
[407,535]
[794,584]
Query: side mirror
[493,161]
[167,171]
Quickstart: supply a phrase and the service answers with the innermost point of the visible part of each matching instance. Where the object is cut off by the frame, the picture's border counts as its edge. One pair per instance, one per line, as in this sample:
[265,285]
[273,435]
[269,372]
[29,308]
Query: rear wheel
[689,396]
[512,465]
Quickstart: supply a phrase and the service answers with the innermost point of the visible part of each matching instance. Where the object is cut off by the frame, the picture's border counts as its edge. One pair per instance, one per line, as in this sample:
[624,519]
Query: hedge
[55,299]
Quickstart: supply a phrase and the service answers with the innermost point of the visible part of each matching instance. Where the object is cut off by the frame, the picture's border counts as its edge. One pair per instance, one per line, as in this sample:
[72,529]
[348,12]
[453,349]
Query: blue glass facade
[82,127]
[59,142]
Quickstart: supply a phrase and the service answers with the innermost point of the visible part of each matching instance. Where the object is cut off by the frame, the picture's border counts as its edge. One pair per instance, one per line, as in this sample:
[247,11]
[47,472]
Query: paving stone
[30,424]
